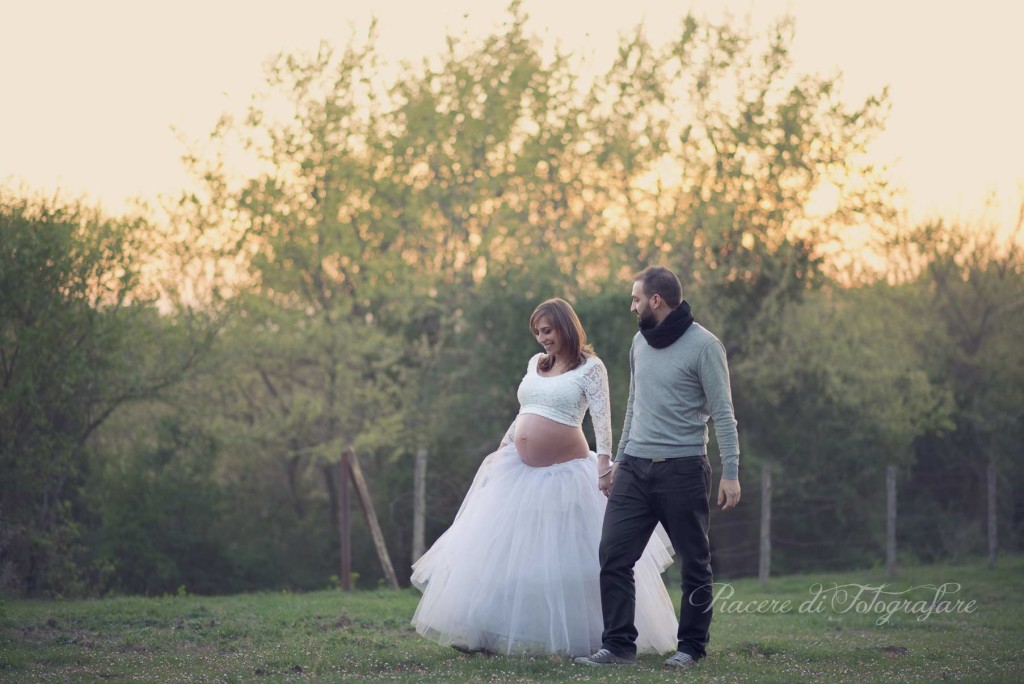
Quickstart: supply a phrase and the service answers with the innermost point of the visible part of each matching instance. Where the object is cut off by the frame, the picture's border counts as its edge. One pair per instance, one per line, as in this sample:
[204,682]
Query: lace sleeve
[595,386]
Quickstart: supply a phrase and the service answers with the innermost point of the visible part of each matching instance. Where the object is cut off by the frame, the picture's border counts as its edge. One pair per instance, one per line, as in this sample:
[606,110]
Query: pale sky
[91,90]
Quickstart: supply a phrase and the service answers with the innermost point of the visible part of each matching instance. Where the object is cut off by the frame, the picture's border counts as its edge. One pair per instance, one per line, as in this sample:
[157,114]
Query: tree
[835,399]
[964,284]
[745,146]
[77,342]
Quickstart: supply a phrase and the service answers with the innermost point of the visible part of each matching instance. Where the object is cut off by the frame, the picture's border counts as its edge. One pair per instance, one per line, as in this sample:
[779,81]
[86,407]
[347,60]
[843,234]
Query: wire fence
[809,533]
[907,519]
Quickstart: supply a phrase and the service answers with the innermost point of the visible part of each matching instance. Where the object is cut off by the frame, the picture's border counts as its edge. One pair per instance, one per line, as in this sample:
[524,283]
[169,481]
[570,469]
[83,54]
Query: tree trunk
[328,472]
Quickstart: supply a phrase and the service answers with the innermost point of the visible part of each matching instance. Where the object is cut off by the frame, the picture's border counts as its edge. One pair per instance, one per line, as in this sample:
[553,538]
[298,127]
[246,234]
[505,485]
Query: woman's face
[546,335]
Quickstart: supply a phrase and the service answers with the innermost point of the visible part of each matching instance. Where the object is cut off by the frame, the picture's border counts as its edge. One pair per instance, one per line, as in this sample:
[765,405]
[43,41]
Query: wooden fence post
[363,492]
[993,531]
[419,505]
[345,522]
[765,556]
[890,520]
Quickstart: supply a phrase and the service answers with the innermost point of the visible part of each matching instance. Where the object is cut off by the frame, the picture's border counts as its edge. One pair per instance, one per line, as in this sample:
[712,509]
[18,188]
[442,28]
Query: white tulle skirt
[517,572]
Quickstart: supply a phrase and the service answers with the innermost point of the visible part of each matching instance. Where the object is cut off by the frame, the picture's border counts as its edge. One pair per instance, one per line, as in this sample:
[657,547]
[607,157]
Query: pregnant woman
[517,572]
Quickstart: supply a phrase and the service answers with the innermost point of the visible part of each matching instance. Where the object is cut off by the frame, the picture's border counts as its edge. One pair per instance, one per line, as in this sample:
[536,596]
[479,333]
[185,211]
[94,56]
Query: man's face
[641,306]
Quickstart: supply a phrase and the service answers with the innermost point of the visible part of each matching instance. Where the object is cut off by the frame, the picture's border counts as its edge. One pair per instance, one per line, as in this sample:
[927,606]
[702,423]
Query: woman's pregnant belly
[542,442]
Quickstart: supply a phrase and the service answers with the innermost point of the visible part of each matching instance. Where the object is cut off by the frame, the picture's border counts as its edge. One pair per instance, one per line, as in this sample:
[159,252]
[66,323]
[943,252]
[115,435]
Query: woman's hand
[605,474]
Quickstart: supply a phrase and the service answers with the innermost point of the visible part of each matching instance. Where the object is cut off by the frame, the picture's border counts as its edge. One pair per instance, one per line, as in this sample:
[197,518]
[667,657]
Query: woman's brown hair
[571,336]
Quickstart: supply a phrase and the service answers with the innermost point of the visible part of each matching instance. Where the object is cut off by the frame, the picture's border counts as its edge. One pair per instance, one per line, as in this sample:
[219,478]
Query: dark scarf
[670,329]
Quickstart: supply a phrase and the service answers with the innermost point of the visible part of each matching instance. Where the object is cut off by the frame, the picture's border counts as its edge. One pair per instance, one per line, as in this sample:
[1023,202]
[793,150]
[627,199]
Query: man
[678,379]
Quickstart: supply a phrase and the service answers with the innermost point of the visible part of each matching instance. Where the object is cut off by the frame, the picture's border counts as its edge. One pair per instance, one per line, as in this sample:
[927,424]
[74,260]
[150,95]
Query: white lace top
[565,398]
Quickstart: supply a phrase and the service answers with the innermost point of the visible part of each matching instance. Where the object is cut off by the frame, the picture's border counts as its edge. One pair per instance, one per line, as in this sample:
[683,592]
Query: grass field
[333,636]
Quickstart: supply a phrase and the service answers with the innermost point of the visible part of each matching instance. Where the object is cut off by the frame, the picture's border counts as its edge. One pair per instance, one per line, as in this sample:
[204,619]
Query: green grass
[333,636]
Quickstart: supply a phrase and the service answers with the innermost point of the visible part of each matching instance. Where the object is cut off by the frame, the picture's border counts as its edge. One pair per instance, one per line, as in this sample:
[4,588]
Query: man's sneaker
[681,659]
[604,657]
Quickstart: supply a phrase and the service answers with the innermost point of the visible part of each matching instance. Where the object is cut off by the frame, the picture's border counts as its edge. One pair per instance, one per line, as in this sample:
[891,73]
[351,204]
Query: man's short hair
[658,280]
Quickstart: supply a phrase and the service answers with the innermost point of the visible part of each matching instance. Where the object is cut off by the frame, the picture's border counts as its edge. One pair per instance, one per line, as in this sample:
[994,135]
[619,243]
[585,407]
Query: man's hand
[728,493]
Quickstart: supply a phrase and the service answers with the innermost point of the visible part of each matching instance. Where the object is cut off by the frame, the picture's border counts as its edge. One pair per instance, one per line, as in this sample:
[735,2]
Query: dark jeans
[677,493]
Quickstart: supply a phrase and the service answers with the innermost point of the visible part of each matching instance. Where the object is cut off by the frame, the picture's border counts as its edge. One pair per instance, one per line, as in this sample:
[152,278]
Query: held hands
[728,493]
[605,474]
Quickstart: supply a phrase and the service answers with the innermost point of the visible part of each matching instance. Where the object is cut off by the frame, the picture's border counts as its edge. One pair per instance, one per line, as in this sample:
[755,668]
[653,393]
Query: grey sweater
[672,393]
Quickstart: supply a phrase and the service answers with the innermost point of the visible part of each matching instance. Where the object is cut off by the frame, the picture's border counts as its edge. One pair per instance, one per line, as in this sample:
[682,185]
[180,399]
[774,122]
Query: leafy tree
[964,285]
[157,517]
[76,343]
[706,154]
[843,395]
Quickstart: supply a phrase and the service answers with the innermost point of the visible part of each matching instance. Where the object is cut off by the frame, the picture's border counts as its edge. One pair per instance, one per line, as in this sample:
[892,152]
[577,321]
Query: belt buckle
[658,460]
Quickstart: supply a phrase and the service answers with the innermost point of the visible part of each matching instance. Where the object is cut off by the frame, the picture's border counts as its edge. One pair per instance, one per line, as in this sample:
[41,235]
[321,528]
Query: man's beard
[647,321]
